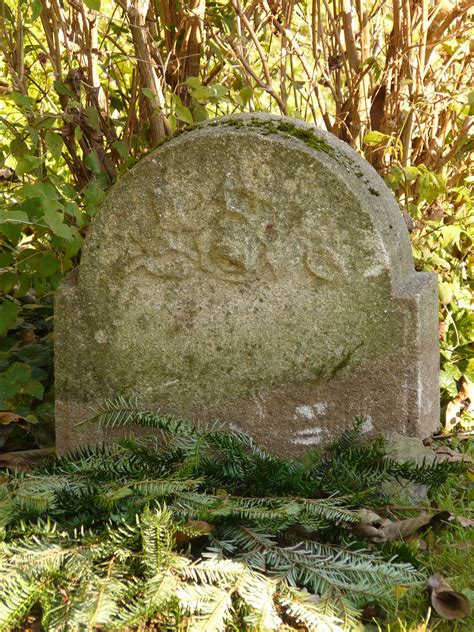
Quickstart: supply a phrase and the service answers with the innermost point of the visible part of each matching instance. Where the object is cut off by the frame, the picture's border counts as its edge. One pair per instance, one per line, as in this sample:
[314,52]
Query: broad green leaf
[446,292]
[18,373]
[13,217]
[29,164]
[92,162]
[8,281]
[8,390]
[92,4]
[410,173]
[8,314]
[24,285]
[193,82]
[245,94]
[199,113]
[6,259]
[39,189]
[54,143]
[19,148]
[72,209]
[34,388]
[55,221]
[93,118]
[374,138]
[183,114]
[22,100]
[61,88]
[36,9]
[149,94]
[121,148]
[49,264]
[202,93]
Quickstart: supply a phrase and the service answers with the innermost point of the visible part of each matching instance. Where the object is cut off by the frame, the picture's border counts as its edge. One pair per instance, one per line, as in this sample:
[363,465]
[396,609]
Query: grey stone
[254,271]
[403,449]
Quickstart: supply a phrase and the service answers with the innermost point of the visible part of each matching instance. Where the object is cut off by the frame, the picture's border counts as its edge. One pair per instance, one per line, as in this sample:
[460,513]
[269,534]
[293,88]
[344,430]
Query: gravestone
[254,271]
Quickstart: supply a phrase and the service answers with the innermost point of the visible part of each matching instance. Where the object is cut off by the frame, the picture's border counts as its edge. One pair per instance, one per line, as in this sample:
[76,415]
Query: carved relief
[242,236]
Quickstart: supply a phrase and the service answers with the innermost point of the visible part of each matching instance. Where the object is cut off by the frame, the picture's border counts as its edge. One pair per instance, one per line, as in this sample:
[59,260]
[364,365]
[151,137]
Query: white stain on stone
[100,337]
[320,408]
[305,411]
[308,436]
[309,411]
[309,431]
[368,424]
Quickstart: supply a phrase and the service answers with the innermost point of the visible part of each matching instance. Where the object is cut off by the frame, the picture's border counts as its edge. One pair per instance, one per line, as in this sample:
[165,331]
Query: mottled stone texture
[254,271]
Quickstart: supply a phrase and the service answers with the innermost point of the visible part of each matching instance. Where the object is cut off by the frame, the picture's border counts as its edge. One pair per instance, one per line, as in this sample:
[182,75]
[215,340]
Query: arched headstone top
[256,271]
[253,180]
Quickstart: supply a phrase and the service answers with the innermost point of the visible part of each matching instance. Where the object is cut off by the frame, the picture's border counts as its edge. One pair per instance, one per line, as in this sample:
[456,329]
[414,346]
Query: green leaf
[55,221]
[374,138]
[8,314]
[18,373]
[8,281]
[149,94]
[183,114]
[8,390]
[49,264]
[93,118]
[92,162]
[36,9]
[194,82]
[22,101]
[121,148]
[24,285]
[72,209]
[13,217]
[6,259]
[94,5]
[245,94]
[61,88]
[54,143]
[34,388]
[446,292]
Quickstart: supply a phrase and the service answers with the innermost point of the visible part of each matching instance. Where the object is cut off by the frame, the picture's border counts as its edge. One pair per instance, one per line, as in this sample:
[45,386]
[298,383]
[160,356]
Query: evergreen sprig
[200,529]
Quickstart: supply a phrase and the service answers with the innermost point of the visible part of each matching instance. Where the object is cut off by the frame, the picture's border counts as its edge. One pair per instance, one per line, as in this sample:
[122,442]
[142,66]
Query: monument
[254,271]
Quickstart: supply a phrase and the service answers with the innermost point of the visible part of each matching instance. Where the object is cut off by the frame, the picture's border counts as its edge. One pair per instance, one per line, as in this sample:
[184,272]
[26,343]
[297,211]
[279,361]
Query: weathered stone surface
[255,271]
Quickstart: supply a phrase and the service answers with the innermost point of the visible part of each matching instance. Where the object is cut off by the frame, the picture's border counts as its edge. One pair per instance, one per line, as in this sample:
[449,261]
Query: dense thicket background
[89,86]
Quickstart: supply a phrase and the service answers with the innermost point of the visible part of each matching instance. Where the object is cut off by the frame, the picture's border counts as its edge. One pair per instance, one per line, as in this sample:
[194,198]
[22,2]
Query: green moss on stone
[280,128]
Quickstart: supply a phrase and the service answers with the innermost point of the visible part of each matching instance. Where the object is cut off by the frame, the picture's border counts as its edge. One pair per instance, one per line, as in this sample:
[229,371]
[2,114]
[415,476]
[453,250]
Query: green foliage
[196,530]
[26,378]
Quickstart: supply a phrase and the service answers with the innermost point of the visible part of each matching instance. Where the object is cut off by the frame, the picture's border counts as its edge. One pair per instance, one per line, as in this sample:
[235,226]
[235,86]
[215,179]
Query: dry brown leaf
[193,529]
[25,459]
[443,453]
[464,522]
[378,529]
[8,418]
[448,603]
[462,403]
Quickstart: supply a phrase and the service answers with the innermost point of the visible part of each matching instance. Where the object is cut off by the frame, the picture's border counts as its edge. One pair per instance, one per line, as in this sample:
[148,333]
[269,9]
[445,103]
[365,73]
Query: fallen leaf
[448,603]
[443,453]
[192,529]
[8,418]
[377,529]
[462,403]
[464,522]
[24,459]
